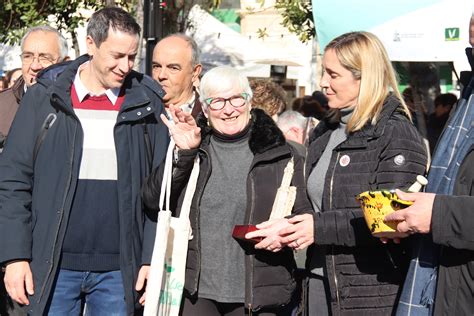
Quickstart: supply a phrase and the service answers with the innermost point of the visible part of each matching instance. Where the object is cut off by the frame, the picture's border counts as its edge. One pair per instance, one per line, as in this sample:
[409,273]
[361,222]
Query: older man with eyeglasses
[42,46]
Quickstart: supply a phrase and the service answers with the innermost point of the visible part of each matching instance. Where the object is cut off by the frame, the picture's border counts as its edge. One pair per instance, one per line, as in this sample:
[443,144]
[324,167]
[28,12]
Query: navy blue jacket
[36,193]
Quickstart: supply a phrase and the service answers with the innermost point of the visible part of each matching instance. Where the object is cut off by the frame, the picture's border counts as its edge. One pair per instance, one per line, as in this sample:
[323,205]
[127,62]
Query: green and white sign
[411,30]
[451,34]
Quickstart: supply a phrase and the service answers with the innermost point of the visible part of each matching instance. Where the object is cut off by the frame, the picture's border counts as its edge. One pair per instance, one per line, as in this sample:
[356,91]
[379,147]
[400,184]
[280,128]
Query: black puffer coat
[364,275]
[268,276]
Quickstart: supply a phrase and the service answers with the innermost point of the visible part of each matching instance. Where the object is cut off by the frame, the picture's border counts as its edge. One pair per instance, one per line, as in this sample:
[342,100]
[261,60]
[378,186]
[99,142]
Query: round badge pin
[399,160]
[344,161]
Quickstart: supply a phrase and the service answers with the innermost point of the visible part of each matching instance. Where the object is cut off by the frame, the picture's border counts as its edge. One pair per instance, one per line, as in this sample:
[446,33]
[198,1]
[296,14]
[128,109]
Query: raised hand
[186,134]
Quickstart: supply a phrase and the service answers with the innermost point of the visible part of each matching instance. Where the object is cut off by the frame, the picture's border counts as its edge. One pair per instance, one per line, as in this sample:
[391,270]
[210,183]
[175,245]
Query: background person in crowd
[436,120]
[12,76]
[268,96]
[314,107]
[73,230]
[293,125]
[243,155]
[176,67]
[41,47]
[3,85]
[311,106]
[371,145]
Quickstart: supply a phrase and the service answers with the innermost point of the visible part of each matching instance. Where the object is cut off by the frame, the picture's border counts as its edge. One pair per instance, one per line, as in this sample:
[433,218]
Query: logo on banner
[451,34]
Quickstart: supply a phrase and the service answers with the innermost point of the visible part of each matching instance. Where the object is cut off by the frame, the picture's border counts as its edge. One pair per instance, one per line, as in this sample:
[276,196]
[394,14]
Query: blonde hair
[364,55]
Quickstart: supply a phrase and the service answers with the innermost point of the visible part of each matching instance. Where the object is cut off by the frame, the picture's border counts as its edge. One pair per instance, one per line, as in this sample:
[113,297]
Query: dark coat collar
[18,89]
[197,107]
[58,80]
[264,133]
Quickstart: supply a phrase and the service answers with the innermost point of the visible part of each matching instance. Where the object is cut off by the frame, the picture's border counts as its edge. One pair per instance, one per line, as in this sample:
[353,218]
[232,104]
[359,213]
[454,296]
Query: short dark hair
[111,17]
[446,99]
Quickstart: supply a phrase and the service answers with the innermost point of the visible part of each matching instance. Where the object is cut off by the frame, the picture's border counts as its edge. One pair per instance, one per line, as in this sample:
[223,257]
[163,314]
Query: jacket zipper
[198,241]
[249,284]
[332,247]
[61,214]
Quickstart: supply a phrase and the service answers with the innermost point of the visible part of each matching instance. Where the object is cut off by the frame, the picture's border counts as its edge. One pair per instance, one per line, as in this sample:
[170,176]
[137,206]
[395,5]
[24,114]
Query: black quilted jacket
[364,275]
[268,276]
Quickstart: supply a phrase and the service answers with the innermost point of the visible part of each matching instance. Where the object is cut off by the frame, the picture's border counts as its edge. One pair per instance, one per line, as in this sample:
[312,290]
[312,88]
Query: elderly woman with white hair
[243,155]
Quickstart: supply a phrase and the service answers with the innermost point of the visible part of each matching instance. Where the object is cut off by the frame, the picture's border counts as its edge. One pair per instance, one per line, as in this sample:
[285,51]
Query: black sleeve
[452,222]
[302,204]
[181,171]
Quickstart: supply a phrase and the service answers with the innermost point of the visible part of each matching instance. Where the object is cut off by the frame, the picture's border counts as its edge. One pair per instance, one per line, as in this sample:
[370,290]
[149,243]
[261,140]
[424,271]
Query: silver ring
[296,242]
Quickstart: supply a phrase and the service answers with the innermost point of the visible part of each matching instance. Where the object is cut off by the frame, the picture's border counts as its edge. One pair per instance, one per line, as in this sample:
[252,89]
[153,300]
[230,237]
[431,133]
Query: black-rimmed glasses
[236,101]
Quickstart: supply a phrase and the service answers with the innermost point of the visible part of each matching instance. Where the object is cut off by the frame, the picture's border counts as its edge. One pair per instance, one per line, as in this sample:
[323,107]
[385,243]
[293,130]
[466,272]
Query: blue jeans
[101,292]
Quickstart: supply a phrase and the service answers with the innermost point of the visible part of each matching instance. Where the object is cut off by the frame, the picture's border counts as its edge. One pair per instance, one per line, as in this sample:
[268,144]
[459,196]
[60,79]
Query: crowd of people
[82,158]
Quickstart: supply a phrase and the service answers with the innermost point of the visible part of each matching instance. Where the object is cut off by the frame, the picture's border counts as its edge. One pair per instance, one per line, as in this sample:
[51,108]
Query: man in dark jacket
[41,47]
[72,226]
[446,214]
[450,221]
[176,67]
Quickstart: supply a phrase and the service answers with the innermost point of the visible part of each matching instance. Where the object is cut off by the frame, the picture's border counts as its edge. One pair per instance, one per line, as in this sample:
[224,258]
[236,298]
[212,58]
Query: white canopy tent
[220,45]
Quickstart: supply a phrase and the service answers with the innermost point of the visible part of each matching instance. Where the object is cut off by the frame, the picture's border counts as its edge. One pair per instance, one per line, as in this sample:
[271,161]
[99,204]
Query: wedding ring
[296,242]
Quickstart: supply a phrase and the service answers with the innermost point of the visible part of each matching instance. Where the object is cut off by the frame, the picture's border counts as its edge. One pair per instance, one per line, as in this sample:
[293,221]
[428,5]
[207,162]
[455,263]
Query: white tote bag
[286,194]
[168,265]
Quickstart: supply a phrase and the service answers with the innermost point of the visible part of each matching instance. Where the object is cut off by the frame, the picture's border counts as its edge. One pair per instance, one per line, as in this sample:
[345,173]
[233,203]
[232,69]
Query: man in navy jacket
[72,226]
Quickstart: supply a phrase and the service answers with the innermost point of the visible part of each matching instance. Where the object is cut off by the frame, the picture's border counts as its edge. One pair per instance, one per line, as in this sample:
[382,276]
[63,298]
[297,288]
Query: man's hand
[18,276]
[415,218]
[141,282]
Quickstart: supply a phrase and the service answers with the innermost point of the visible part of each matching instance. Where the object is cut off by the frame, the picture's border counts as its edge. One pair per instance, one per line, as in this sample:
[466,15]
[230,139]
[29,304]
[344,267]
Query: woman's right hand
[300,234]
[186,134]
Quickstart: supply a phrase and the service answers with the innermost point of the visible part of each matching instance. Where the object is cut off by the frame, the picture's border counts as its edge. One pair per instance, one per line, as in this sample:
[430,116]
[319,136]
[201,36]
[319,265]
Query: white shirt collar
[188,106]
[82,92]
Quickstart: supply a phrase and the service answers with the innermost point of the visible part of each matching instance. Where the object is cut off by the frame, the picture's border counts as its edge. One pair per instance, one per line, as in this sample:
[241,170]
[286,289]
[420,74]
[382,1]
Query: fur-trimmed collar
[264,133]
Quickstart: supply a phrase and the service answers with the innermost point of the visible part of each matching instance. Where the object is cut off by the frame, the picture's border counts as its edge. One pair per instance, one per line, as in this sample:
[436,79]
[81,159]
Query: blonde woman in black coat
[368,143]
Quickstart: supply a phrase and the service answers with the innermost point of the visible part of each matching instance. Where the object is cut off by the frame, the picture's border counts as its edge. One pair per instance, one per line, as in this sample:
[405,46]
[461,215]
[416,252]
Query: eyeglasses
[44,60]
[219,103]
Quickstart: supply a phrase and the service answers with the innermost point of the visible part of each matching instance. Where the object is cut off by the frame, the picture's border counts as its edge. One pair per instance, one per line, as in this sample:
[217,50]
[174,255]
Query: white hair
[220,79]
[289,119]
[62,43]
